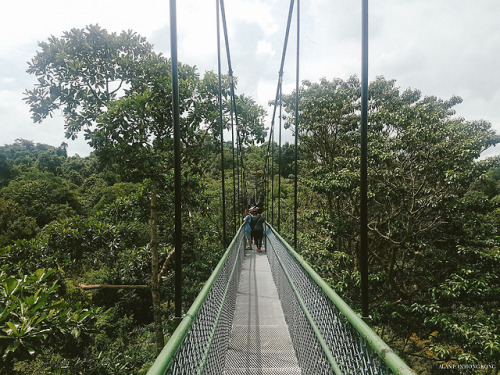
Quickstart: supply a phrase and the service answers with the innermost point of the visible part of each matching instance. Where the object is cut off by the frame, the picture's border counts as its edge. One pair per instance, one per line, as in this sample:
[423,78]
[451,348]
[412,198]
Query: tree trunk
[155,281]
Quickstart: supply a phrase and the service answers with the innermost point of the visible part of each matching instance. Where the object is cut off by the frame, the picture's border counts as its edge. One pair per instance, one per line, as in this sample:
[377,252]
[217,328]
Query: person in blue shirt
[248,229]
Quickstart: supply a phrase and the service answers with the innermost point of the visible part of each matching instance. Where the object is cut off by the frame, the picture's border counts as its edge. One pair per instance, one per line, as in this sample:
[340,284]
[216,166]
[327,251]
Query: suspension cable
[280,74]
[239,140]
[272,180]
[177,160]
[221,124]
[364,163]
[279,160]
[279,86]
[233,99]
[236,168]
[296,128]
[266,183]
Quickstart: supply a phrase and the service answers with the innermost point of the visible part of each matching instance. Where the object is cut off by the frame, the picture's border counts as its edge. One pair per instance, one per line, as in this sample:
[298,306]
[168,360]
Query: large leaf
[13,328]
[10,286]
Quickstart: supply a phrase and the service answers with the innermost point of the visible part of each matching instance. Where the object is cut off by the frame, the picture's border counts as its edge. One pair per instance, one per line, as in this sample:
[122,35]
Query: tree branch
[164,267]
[108,286]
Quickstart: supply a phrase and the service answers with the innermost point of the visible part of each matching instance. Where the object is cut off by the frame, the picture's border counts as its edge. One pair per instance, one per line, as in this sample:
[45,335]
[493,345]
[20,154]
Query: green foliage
[91,191]
[32,314]
[433,213]
[42,196]
[14,225]
[110,194]
[74,243]
[81,72]
[136,131]
[434,208]
[24,155]
[250,121]
[93,214]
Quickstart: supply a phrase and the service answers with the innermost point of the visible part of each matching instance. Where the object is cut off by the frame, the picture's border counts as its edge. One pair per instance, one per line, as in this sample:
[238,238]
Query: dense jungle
[86,276]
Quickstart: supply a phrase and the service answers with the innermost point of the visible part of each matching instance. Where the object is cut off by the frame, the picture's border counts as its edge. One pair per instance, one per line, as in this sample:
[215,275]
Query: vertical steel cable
[272,179]
[236,173]
[364,162]
[235,217]
[279,86]
[239,141]
[221,124]
[177,160]
[279,161]
[269,197]
[233,101]
[266,167]
[296,128]
[239,154]
[266,181]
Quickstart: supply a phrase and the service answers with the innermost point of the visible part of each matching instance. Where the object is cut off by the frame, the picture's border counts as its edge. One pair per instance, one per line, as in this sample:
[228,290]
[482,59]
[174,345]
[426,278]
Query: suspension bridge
[269,312]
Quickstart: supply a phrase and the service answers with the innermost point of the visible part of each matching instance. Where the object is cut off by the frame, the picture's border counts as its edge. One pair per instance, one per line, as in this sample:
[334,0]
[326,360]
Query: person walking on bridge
[248,229]
[258,228]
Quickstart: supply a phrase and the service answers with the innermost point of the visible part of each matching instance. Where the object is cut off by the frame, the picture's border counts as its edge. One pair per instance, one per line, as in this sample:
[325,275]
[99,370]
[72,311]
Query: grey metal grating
[264,371]
[260,342]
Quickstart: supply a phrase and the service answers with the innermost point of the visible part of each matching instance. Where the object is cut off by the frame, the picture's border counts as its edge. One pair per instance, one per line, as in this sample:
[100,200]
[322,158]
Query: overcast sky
[441,47]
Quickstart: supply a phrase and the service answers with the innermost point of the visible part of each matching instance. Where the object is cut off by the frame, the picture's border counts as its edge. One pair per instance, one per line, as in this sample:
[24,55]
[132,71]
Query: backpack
[253,220]
[257,223]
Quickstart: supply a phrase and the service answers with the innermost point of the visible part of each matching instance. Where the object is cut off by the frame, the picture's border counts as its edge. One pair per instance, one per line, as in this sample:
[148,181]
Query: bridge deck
[259,342]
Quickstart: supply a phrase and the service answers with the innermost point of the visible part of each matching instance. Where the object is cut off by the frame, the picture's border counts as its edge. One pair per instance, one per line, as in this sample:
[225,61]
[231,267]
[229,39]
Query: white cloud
[443,49]
[265,48]
[25,21]
[7,80]
[254,11]
[16,123]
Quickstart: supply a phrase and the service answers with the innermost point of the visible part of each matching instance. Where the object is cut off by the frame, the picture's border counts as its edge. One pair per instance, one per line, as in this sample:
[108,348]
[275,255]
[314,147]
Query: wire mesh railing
[328,337]
[200,342]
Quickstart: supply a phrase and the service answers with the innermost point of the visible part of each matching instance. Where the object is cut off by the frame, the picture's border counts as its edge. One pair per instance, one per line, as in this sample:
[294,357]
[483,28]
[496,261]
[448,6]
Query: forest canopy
[70,222]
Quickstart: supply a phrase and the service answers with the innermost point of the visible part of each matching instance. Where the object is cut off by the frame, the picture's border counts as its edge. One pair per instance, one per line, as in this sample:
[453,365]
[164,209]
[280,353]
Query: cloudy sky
[440,47]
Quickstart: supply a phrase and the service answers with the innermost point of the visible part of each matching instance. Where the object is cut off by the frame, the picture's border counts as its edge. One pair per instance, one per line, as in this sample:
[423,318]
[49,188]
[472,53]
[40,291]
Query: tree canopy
[423,176]
[106,219]
[80,72]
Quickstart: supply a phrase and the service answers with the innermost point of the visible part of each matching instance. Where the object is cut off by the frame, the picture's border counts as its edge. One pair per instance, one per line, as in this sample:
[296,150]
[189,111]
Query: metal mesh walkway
[259,341]
[270,313]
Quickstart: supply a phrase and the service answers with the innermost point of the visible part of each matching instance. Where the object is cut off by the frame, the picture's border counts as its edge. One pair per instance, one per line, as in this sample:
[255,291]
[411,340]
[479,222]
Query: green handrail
[396,364]
[164,359]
